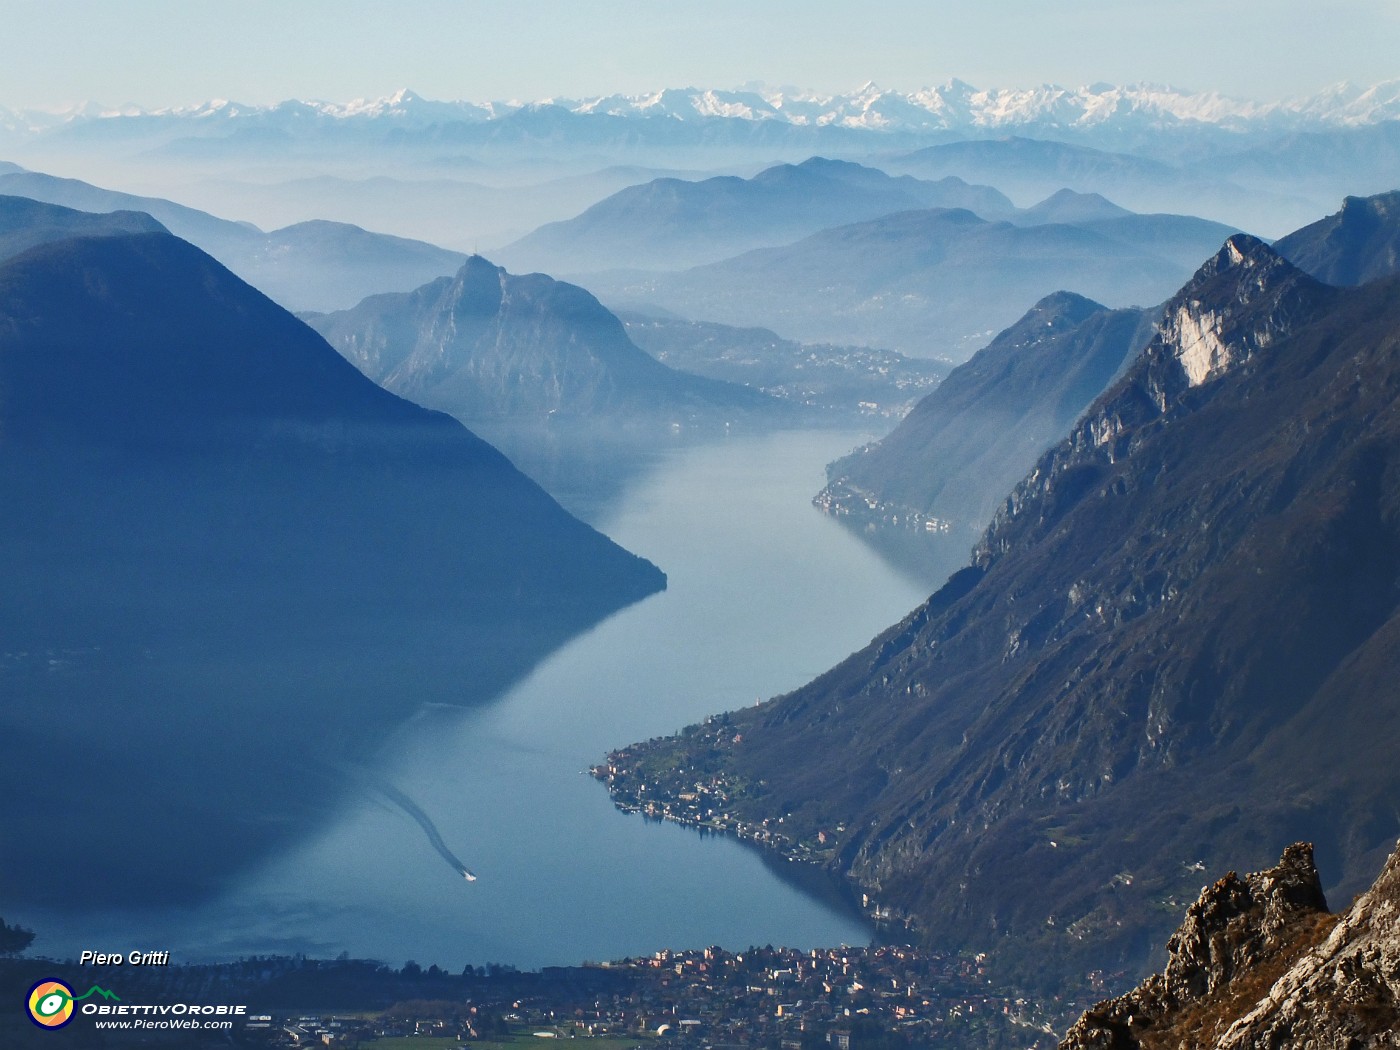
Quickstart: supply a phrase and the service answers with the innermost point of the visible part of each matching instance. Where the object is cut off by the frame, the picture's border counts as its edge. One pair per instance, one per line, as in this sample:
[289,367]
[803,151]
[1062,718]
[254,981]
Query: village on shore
[846,998]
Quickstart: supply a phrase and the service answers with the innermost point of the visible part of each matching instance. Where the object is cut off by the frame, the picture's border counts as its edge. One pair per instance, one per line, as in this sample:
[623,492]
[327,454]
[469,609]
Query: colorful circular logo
[51,1004]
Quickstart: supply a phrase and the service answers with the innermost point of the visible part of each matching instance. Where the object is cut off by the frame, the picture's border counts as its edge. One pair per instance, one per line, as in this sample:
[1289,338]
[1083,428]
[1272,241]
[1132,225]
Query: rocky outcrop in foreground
[1260,963]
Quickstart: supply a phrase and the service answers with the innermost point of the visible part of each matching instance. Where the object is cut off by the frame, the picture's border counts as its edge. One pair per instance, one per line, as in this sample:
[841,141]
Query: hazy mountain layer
[1028,169]
[1066,205]
[670,224]
[442,204]
[926,283]
[308,266]
[853,379]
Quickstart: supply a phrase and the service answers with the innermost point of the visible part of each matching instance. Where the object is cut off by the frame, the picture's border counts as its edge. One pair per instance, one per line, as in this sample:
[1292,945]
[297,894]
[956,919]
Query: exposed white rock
[1200,349]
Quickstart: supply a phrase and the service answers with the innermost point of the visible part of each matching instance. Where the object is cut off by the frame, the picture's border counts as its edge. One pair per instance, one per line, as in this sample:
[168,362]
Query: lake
[764,593]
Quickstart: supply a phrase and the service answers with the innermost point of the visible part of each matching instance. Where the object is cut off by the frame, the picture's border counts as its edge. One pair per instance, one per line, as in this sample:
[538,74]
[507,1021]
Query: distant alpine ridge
[952,106]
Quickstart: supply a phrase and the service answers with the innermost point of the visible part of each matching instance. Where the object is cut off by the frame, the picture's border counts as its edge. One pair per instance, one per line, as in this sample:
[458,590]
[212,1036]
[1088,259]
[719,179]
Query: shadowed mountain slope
[308,266]
[1177,644]
[27,223]
[134,351]
[951,461]
[226,551]
[1360,243]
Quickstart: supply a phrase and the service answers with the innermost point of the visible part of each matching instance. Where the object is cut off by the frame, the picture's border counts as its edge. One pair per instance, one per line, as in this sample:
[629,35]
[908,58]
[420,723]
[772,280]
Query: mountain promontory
[490,346]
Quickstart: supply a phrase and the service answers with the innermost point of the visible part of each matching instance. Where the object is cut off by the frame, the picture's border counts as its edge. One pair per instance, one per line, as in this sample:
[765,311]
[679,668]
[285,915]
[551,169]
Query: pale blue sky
[171,52]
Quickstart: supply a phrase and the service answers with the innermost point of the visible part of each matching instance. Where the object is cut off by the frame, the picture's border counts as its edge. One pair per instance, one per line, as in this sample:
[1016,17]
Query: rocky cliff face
[1259,962]
[1242,301]
[1345,991]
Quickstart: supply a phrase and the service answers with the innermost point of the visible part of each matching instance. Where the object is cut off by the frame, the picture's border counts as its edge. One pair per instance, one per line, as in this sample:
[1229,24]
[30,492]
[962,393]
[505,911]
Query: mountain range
[949,463]
[1264,167]
[314,265]
[672,224]
[952,106]
[930,283]
[1173,651]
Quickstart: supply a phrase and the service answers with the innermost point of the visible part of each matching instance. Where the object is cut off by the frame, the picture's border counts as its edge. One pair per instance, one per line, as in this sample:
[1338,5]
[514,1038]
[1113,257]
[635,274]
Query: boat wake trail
[398,798]
[425,822]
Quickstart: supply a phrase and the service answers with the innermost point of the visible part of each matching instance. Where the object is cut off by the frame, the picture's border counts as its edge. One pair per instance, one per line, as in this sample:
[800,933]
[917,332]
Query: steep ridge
[948,464]
[27,223]
[307,266]
[225,552]
[982,430]
[671,224]
[1259,962]
[1172,647]
[122,352]
[487,345]
[1360,243]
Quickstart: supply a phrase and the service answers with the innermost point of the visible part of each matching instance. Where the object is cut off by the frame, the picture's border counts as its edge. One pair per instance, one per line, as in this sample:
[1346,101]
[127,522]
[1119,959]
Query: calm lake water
[764,594]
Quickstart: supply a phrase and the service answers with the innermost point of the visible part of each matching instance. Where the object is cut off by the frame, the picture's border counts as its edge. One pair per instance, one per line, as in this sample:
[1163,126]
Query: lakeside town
[660,781]
[846,998]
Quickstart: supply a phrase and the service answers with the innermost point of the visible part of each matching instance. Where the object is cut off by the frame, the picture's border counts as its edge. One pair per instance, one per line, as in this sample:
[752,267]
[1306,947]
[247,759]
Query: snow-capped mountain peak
[951,106]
